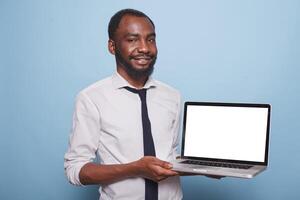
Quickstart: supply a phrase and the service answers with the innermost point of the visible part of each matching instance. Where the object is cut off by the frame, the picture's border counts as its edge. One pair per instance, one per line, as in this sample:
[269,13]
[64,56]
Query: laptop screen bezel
[255,105]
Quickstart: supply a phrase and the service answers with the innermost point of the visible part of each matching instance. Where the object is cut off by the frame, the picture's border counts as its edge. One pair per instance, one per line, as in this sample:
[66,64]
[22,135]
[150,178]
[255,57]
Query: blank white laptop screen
[222,132]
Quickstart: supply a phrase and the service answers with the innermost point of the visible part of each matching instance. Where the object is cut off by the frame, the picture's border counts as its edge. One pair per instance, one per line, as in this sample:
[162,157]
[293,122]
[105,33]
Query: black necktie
[151,187]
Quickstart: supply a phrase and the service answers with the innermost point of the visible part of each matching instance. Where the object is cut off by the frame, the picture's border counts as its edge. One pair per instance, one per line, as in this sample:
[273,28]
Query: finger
[163,164]
[161,178]
[165,172]
[166,175]
[187,174]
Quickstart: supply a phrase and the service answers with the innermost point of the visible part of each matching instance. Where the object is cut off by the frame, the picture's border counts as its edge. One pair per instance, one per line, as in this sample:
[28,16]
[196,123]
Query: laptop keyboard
[215,164]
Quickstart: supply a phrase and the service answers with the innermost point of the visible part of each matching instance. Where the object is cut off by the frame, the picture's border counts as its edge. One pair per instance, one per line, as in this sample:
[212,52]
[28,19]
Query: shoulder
[167,89]
[168,94]
[96,89]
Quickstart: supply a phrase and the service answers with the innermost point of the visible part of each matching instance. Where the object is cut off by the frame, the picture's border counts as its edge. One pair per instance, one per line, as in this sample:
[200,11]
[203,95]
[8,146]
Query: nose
[143,47]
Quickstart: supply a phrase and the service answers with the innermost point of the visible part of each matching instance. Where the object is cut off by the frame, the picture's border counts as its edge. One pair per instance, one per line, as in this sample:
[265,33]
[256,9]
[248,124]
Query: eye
[152,40]
[131,40]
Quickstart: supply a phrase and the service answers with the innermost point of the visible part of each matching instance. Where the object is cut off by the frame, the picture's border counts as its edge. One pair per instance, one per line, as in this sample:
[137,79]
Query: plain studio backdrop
[214,50]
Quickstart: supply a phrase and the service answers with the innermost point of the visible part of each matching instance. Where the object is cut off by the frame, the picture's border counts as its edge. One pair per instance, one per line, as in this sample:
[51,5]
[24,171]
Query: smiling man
[129,120]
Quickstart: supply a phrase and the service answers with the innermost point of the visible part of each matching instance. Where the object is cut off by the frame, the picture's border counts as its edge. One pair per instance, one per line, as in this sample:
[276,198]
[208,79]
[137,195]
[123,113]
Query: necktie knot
[140,92]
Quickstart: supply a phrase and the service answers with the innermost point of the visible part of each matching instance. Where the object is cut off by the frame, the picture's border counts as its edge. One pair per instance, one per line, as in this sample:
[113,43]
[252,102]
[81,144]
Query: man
[129,119]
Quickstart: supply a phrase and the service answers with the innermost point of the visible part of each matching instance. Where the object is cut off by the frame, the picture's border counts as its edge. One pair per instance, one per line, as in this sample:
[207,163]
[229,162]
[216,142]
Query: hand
[188,174]
[152,168]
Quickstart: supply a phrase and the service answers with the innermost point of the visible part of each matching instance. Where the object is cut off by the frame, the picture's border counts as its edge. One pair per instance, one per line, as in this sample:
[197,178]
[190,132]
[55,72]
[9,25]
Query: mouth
[142,60]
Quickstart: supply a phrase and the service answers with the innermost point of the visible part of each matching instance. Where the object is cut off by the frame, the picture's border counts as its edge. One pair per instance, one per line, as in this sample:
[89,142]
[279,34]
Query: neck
[135,82]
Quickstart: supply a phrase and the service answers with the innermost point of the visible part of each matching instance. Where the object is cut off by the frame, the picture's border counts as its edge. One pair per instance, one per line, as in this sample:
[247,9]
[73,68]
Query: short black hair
[116,19]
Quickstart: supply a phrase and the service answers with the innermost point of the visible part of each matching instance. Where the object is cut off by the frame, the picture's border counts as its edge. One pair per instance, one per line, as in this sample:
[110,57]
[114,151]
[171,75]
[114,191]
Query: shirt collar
[119,82]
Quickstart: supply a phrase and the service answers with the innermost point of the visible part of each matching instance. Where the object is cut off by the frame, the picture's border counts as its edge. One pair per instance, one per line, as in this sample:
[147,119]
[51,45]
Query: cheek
[128,49]
[153,49]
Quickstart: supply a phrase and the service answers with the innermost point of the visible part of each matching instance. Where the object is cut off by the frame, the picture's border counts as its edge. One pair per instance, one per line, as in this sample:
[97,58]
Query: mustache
[140,56]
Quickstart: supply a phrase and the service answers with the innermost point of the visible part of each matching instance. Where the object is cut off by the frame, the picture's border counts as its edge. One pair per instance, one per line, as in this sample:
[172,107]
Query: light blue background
[233,51]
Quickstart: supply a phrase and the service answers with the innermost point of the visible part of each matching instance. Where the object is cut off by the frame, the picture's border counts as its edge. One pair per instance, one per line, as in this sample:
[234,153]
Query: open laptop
[224,139]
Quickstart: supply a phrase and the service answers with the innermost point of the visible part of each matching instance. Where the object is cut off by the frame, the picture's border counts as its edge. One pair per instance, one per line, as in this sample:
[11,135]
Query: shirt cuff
[72,173]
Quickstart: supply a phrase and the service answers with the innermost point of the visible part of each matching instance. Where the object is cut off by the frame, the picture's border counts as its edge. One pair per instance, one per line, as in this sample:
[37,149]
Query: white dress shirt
[107,121]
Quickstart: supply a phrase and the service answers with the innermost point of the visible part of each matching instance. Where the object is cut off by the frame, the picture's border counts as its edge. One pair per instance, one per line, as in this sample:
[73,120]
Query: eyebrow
[137,35]
[151,35]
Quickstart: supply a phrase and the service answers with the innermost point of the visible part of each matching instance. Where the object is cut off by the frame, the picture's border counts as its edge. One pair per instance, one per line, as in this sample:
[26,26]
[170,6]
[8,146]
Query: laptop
[224,139]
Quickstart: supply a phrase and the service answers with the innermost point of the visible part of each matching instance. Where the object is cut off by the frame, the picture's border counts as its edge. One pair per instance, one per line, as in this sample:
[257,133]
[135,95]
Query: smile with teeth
[142,60]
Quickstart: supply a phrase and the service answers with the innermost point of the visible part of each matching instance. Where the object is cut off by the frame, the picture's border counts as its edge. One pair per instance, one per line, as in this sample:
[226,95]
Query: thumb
[164,164]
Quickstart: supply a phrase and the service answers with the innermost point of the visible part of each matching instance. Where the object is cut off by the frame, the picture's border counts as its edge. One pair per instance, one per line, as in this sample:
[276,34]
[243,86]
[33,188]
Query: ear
[111,46]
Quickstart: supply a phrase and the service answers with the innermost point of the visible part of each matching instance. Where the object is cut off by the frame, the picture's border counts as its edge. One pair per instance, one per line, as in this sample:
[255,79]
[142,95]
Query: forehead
[135,25]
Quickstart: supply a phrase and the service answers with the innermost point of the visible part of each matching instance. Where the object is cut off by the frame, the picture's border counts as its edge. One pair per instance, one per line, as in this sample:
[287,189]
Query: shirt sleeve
[176,127]
[84,138]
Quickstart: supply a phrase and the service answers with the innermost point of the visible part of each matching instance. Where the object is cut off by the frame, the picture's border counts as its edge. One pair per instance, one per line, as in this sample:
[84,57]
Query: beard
[133,72]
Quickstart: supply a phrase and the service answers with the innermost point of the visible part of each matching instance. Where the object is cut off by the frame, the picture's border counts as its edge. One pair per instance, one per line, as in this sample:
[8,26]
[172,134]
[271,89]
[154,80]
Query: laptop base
[217,171]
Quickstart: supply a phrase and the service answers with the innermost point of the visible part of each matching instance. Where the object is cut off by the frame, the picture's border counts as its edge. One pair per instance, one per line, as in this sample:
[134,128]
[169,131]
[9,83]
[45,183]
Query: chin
[137,72]
[141,68]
